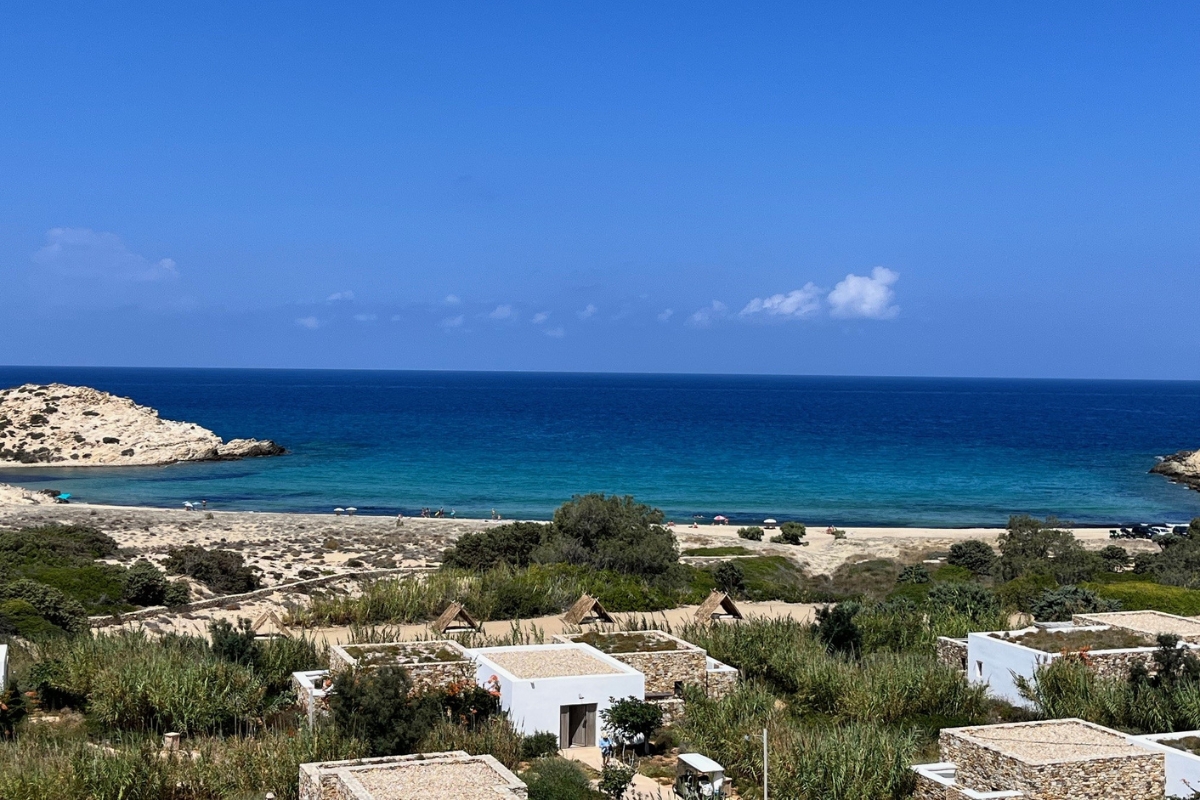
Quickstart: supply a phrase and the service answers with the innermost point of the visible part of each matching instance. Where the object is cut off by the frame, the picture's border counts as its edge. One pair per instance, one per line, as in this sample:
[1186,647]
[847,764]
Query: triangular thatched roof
[587,609]
[455,619]
[269,624]
[718,606]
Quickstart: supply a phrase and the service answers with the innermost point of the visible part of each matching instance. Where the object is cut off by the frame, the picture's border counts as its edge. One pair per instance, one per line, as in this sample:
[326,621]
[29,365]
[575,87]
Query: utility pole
[764,764]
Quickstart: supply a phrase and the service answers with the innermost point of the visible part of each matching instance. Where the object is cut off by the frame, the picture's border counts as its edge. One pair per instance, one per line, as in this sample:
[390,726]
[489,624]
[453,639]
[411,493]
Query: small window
[978,669]
[679,688]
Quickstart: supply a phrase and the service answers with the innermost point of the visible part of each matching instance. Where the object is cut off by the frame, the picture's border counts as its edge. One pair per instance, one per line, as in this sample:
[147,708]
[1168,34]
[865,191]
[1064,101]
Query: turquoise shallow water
[850,451]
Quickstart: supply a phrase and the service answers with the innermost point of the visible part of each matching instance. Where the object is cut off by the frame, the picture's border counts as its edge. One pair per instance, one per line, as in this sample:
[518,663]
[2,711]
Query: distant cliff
[78,426]
[1183,467]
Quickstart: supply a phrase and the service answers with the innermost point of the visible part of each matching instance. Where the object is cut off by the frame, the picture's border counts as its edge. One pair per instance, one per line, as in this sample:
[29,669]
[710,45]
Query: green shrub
[510,545]
[144,584]
[1061,604]
[1116,558]
[948,573]
[51,604]
[222,571]
[965,599]
[630,717]
[731,578]
[537,745]
[753,533]
[229,643]
[836,629]
[789,533]
[494,736]
[177,594]
[915,573]
[558,779]
[1020,593]
[974,555]
[1031,546]
[615,778]
[20,618]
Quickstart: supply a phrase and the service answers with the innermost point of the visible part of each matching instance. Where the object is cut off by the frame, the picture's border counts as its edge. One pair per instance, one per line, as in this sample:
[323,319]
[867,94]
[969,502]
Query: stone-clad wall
[663,668]
[1138,777]
[1118,664]
[721,683]
[440,674]
[952,653]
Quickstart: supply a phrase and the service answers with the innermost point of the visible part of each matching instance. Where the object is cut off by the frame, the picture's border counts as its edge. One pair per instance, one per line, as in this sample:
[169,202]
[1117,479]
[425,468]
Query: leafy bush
[1116,558]
[511,545]
[20,618]
[380,707]
[1021,593]
[753,533]
[177,594]
[731,578]
[974,555]
[537,745]
[615,778]
[836,629]
[230,643]
[222,571]
[1031,546]
[145,584]
[616,533]
[965,599]
[494,736]
[50,604]
[789,533]
[558,779]
[1059,605]
[914,573]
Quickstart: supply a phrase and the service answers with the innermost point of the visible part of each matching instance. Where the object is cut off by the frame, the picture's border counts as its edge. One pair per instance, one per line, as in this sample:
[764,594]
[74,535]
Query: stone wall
[721,682]
[664,668]
[952,653]
[1117,664]
[1137,777]
[672,708]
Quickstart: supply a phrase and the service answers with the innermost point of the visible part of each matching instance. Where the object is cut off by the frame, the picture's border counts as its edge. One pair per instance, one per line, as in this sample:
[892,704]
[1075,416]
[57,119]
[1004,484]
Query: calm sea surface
[850,451]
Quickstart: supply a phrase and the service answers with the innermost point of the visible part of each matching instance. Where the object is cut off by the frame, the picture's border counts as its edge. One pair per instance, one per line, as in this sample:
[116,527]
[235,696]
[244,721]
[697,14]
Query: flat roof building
[447,776]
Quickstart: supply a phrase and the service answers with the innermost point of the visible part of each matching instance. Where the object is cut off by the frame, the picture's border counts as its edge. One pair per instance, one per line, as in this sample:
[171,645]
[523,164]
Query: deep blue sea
[823,450]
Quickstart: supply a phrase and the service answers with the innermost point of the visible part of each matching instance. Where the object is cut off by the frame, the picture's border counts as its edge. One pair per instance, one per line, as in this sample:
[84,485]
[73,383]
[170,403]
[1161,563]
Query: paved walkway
[642,788]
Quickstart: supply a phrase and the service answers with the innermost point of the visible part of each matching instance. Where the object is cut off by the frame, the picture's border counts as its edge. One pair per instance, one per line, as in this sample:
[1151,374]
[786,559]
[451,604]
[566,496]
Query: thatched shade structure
[587,610]
[718,606]
[455,619]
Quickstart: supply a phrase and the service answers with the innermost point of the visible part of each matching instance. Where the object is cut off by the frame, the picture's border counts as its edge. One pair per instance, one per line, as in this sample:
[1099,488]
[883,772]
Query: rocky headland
[1183,467]
[79,426]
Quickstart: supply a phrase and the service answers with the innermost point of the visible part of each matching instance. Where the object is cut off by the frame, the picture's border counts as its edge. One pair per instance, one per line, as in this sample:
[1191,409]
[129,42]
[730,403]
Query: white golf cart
[698,777]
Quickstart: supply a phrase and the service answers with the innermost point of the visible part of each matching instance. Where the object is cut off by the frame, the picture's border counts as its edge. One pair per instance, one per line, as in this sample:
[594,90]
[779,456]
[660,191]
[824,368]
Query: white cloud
[452,300]
[84,253]
[452,322]
[588,312]
[666,314]
[556,333]
[336,296]
[796,304]
[312,323]
[869,298]
[502,312]
[705,316]
[365,317]
[540,317]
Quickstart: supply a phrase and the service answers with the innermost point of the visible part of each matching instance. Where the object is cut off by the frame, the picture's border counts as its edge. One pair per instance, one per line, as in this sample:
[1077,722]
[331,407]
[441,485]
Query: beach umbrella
[768,522]
[719,518]
[351,510]
[338,511]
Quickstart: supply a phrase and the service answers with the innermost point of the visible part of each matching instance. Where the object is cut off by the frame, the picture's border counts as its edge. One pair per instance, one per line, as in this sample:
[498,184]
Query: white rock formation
[79,426]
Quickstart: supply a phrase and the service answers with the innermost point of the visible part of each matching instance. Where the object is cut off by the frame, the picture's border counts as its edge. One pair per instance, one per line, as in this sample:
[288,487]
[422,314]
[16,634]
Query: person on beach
[400,520]
[204,504]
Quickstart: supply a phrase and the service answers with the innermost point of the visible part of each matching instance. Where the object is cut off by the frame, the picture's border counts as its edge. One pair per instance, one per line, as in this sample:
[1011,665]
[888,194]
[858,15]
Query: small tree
[790,533]
[230,643]
[378,707]
[145,584]
[974,555]
[1115,557]
[177,594]
[731,578]
[629,718]
[753,533]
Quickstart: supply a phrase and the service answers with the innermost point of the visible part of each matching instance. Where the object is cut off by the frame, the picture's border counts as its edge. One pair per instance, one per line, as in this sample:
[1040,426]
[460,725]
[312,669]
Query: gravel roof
[550,662]
[421,780]
[1052,741]
[1151,622]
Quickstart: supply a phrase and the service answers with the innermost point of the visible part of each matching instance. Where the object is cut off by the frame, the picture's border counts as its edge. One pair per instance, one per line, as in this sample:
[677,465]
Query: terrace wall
[952,653]
[1137,777]
[664,668]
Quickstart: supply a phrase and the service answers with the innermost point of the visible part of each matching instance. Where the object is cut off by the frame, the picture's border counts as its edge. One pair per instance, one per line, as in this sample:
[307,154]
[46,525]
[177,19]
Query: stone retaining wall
[663,669]
[721,683]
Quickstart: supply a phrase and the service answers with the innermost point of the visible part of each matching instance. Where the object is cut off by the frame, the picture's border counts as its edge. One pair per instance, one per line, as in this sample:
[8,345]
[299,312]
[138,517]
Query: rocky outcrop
[79,426]
[1183,467]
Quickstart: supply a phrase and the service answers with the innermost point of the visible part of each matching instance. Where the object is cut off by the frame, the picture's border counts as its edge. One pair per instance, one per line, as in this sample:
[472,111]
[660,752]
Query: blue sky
[895,189]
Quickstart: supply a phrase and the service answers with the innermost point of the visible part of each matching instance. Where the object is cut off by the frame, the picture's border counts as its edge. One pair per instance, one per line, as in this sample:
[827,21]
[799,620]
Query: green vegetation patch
[1189,744]
[1073,641]
[1144,595]
[630,642]
[718,551]
[777,578]
[402,653]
